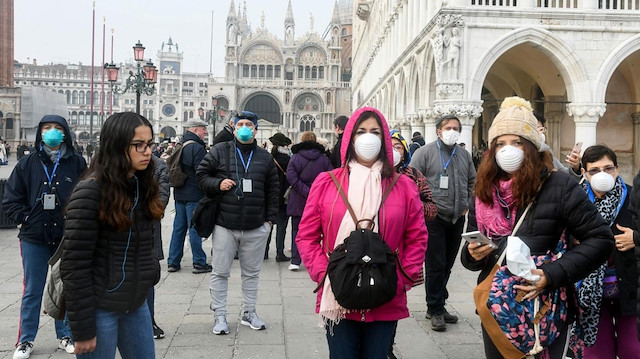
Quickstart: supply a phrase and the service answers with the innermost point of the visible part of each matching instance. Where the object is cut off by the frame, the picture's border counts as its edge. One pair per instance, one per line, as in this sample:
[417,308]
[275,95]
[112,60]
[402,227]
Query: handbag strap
[346,201]
[280,167]
[513,233]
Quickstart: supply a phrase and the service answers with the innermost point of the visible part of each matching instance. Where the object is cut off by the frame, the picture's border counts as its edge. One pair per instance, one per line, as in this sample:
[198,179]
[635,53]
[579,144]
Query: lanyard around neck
[53,173]
[246,166]
[445,165]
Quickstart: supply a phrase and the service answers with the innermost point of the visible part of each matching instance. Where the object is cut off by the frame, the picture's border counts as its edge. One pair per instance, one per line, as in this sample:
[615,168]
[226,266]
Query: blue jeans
[130,332]
[295,255]
[352,339]
[182,222]
[35,266]
[281,232]
[151,298]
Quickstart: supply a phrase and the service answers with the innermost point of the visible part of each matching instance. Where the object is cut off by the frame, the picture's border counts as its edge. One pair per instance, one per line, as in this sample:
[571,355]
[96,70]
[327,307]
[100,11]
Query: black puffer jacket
[240,210]
[634,208]
[561,204]
[92,259]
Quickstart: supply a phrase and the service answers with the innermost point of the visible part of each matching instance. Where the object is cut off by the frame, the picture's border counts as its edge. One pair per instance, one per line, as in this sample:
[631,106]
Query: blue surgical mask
[244,133]
[52,137]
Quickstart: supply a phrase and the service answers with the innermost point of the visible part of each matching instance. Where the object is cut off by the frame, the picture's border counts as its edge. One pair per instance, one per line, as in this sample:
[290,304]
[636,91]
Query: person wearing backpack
[186,198]
[514,176]
[367,178]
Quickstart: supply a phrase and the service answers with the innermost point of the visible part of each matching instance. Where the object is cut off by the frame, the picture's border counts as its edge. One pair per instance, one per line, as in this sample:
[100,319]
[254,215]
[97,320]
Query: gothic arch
[611,63]
[307,105]
[246,51]
[313,46]
[560,54]
[270,108]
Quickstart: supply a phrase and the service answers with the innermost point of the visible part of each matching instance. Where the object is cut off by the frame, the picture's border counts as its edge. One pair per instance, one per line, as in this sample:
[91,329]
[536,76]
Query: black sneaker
[282,258]
[172,269]
[197,268]
[158,333]
[448,318]
[437,323]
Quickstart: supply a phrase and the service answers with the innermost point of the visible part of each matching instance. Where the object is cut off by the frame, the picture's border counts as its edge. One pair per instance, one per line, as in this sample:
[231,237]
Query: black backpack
[362,270]
[176,175]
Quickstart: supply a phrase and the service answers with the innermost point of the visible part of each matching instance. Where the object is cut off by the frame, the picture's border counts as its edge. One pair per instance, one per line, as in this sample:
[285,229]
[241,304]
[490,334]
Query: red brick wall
[6,43]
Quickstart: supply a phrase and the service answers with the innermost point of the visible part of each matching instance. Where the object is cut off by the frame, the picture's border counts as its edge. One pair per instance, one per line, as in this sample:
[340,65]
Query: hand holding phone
[574,157]
[577,148]
[478,237]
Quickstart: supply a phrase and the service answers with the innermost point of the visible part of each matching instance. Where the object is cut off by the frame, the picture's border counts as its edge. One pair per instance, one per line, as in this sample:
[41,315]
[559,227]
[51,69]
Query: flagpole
[102,94]
[111,96]
[93,33]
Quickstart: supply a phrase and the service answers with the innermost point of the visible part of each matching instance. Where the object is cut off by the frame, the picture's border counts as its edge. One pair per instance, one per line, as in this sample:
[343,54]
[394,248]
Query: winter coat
[192,155]
[561,203]
[401,226]
[238,210]
[452,202]
[223,136]
[301,178]
[429,208]
[335,158]
[93,256]
[28,182]
[634,209]
[161,174]
[283,162]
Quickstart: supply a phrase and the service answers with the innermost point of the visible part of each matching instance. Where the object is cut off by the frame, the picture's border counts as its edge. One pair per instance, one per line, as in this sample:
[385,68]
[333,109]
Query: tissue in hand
[519,259]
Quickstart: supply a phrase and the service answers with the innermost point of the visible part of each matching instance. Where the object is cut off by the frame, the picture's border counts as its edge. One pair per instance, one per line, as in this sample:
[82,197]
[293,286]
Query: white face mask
[397,157]
[602,182]
[543,138]
[509,158]
[367,146]
[450,137]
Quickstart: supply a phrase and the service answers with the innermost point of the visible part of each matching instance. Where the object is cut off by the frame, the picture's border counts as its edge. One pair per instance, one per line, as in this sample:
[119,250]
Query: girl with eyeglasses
[606,325]
[107,263]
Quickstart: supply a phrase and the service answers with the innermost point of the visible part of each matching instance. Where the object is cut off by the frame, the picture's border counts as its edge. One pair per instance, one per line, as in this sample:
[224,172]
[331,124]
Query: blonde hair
[308,136]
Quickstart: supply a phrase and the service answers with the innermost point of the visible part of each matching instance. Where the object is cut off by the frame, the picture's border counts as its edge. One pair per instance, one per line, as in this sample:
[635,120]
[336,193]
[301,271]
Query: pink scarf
[491,218]
[365,195]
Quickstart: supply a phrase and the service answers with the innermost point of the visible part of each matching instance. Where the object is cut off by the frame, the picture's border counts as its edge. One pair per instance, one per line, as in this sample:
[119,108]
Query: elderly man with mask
[450,174]
[245,179]
[36,195]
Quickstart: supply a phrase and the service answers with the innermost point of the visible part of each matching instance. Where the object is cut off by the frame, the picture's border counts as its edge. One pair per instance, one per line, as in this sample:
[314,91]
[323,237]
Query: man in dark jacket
[280,152]
[226,134]
[186,198]
[417,141]
[36,195]
[245,178]
[338,126]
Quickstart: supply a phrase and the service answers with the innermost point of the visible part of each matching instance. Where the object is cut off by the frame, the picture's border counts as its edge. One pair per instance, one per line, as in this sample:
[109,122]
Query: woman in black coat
[606,325]
[107,263]
[513,175]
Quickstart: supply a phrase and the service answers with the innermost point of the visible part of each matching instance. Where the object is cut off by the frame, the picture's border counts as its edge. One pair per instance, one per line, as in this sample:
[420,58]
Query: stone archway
[265,106]
[167,132]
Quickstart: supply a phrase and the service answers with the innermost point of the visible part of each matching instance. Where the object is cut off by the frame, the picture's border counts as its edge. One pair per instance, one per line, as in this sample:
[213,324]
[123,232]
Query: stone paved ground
[285,302]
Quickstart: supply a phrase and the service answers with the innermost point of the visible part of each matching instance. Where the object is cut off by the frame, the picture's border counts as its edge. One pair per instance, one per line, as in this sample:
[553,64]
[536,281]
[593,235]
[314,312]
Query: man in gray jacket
[450,173]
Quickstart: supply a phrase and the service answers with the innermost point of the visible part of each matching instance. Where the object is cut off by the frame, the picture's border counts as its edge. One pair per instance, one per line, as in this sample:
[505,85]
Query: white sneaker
[23,351]
[294,267]
[66,345]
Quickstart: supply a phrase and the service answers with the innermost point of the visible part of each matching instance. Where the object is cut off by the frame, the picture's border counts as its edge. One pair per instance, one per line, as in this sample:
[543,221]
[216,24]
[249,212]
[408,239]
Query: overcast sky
[60,31]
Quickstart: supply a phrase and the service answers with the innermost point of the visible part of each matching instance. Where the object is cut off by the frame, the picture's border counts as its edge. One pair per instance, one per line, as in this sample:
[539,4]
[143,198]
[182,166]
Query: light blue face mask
[52,137]
[244,133]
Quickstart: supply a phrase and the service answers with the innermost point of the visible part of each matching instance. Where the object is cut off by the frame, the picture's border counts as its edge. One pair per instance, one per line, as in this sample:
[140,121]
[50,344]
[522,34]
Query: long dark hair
[526,181]
[112,167]
[387,166]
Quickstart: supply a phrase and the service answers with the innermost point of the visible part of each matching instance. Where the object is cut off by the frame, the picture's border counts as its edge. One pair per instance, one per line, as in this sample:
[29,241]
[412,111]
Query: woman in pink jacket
[366,153]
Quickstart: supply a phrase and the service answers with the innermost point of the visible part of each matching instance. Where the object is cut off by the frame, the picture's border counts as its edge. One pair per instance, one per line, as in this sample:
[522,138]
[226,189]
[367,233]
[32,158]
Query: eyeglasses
[542,129]
[141,147]
[398,147]
[608,169]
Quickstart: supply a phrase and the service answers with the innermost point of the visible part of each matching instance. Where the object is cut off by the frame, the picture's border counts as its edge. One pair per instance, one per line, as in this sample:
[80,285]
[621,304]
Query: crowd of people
[557,243]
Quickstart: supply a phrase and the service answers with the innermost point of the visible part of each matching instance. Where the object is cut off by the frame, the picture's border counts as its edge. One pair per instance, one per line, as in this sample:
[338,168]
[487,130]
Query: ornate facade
[575,60]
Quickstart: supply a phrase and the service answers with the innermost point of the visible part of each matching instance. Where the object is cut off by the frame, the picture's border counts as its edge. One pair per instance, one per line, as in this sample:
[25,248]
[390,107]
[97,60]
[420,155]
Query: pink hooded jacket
[401,221]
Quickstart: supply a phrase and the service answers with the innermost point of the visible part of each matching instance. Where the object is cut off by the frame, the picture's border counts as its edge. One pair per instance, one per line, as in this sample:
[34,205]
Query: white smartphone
[477,237]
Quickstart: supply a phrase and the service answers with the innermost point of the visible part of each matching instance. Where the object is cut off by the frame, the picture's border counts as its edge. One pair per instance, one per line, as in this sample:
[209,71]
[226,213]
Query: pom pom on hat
[515,118]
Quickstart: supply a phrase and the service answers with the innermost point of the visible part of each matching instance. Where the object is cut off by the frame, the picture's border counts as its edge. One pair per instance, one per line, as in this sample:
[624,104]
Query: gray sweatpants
[250,246]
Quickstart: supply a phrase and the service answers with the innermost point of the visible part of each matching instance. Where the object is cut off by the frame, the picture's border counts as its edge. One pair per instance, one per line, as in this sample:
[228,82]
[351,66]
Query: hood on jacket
[348,130]
[62,122]
[306,148]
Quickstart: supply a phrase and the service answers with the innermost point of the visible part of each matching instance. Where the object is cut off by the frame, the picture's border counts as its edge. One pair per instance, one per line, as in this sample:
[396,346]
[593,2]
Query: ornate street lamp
[142,81]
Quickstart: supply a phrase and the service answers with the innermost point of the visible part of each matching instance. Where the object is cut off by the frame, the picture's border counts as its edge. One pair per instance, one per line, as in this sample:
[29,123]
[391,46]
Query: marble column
[554,133]
[586,116]
[635,117]
[429,130]
[416,126]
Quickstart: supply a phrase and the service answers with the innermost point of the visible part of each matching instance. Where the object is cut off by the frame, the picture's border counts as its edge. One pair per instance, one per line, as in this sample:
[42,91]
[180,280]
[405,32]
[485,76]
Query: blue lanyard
[55,167]
[445,165]
[246,166]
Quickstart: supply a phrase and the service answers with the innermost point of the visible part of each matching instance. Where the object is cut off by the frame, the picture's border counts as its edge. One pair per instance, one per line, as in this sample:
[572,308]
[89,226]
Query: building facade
[576,61]
[10,96]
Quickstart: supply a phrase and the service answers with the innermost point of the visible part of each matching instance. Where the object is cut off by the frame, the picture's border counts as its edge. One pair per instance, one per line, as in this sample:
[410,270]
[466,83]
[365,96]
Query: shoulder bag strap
[280,167]
[344,198]
[305,167]
[513,233]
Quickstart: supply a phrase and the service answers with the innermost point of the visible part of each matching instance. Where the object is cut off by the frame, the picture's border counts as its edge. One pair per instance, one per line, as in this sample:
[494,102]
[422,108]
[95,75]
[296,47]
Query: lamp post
[213,115]
[142,81]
